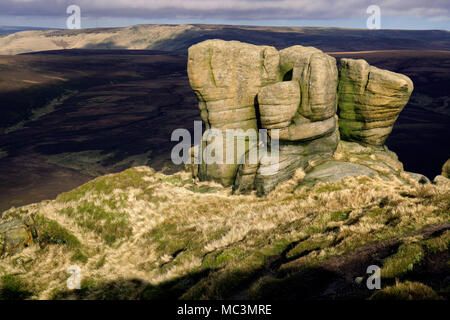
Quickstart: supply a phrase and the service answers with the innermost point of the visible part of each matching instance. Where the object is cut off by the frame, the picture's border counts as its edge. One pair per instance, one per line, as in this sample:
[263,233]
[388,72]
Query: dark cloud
[228,9]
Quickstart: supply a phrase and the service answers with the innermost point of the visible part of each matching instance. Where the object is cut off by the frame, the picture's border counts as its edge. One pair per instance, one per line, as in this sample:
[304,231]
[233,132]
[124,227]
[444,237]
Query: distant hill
[4,30]
[180,37]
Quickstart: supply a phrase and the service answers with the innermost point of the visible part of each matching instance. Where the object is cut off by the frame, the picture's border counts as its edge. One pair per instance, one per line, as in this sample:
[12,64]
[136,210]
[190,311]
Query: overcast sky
[401,14]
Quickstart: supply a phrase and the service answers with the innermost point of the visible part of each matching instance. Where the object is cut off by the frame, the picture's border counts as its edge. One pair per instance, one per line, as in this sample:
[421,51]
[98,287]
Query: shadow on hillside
[133,289]
[287,279]
[327,39]
[105,45]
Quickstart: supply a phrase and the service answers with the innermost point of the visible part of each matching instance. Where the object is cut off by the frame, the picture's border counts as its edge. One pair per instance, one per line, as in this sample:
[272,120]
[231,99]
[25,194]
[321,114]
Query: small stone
[419,178]
[359,280]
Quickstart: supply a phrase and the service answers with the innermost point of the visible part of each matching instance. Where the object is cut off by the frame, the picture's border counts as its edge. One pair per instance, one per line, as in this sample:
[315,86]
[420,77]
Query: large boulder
[317,75]
[375,157]
[15,235]
[226,77]
[369,101]
[278,104]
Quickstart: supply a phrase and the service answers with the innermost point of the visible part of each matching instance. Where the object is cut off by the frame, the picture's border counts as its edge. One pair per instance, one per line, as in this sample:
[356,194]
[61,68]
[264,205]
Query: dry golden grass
[156,228]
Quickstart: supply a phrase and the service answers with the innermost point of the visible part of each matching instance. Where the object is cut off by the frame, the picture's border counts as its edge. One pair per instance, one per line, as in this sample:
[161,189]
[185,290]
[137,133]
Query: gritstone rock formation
[295,91]
[226,77]
[370,100]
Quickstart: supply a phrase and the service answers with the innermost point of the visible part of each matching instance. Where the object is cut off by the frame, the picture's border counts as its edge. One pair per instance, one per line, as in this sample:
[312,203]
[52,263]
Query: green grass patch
[203,189]
[51,232]
[329,188]
[406,291]
[403,261]
[170,238]
[172,180]
[340,215]
[307,246]
[100,263]
[439,244]
[130,178]
[110,225]
[12,287]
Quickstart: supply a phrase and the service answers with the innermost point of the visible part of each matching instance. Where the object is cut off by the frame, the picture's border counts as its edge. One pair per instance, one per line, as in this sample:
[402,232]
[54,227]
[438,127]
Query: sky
[394,14]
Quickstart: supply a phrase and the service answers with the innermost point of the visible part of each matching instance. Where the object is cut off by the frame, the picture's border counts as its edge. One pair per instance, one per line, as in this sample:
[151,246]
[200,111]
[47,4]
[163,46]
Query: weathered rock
[335,170]
[245,178]
[226,77]
[304,129]
[293,94]
[294,155]
[369,101]
[419,178]
[278,104]
[235,82]
[375,157]
[317,76]
[14,235]
[446,169]
[441,180]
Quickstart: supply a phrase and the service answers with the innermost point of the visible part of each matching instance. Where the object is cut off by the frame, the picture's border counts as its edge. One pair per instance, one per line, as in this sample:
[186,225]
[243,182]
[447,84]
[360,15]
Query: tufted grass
[185,239]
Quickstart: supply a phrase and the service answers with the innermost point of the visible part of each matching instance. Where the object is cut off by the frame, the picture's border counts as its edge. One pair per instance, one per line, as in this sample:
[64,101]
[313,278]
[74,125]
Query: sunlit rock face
[226,77]
[370,101]
[295,91]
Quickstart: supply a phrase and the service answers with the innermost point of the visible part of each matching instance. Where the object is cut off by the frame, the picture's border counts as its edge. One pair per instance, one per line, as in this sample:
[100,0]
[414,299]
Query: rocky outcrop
[317,76]
[15,235]
[370,100]
[293,94]
[226,77]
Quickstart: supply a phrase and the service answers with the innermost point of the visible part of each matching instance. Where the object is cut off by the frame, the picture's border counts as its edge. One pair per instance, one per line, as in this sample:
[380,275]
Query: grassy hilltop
[141,234]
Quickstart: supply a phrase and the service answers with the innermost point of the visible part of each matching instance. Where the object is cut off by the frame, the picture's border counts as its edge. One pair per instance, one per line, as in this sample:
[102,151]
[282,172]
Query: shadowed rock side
[446,169]
[295,91]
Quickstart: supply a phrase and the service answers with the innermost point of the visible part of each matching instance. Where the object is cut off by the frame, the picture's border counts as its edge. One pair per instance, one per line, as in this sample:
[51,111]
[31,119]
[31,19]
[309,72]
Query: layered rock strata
[293,94]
